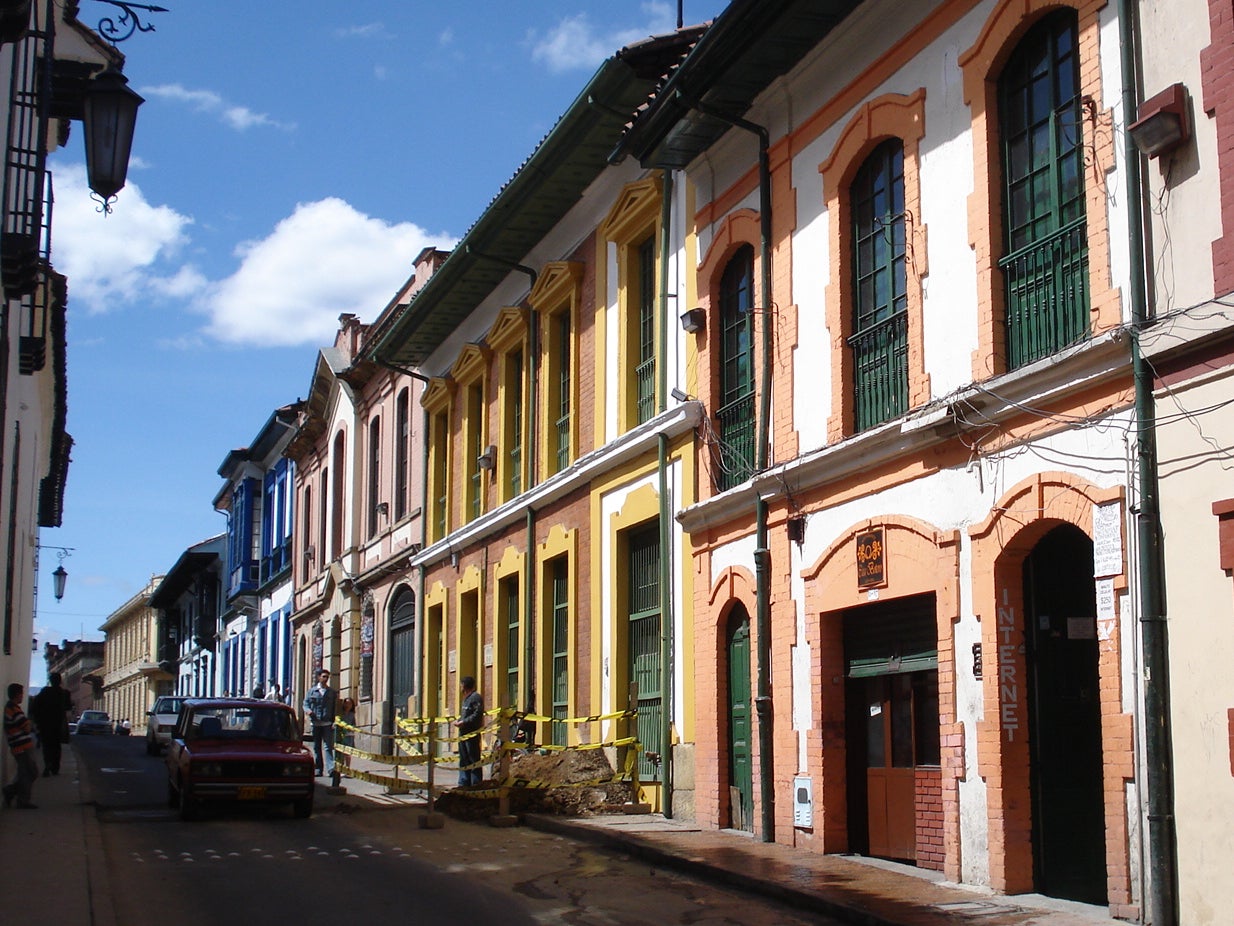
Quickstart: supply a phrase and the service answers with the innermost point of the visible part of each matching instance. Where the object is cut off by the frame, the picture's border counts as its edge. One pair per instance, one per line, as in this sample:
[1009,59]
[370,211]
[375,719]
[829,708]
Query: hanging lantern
[110,117]
[58,577]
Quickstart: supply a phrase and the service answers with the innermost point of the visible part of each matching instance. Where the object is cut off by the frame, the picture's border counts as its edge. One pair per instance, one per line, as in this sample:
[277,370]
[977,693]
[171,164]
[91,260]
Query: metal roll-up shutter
[890,637]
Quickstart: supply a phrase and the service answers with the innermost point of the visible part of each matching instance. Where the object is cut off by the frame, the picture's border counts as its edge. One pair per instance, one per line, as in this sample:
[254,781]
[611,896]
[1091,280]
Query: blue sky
[290,162]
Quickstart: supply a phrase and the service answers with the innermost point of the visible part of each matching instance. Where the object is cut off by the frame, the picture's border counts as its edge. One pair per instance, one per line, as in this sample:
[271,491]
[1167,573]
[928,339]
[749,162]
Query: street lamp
[58,577]
[110,105]
[110,116]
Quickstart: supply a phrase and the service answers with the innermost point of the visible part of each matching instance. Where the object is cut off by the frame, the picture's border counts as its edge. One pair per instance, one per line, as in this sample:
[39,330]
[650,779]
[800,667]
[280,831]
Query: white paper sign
[1107,540]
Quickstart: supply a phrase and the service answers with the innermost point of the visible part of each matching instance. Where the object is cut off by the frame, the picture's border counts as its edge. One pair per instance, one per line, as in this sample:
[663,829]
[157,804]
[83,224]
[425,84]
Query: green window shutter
[645,630]
[645,370]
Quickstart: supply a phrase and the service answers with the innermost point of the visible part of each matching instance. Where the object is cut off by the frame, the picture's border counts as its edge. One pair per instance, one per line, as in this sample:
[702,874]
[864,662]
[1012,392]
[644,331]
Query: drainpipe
[529,605]
[762,555]
[667,622]
[1162,892]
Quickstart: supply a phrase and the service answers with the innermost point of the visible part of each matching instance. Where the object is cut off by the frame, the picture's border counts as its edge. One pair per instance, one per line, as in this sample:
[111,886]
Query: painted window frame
[470,376]
[634,223]
[508,338]
[556,297]
[982,64]
[402,454]
[885,118]
[437,401]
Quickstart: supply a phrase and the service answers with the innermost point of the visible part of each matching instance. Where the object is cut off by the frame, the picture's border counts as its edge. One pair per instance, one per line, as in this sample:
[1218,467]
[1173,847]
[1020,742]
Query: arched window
[879,341]
[735,461]
[1045,263]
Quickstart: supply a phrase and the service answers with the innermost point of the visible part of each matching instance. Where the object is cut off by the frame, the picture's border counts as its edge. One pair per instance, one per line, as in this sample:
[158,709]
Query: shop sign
[871,559]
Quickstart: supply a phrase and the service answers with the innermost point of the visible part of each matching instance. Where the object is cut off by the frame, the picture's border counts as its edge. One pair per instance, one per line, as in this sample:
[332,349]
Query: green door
[644,648]
[740,759]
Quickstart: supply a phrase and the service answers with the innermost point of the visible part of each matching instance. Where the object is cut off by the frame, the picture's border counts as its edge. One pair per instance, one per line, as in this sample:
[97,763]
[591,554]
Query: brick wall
[929,808]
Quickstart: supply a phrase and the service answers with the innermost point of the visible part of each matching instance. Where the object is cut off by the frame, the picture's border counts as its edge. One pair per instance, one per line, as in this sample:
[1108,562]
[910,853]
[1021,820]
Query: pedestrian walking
[20,734]
[319,705]
[273,693]
[470,720]
[49,709]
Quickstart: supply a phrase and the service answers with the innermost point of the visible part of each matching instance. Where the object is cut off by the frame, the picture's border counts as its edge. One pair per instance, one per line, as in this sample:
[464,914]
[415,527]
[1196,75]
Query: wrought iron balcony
[735,455]
[880,372]
[1047,295]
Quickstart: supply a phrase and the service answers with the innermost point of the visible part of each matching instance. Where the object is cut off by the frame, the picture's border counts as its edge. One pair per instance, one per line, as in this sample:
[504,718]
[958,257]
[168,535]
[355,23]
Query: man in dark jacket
[49,709]
[471,720]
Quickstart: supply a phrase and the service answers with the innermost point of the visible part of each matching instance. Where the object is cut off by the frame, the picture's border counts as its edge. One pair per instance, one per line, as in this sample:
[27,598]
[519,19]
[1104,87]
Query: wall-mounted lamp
[679,395]
[1161,124]
[59,575]
[383,509]
[693,321]
[797,529]
[309,553]
[110,117]
[487,461]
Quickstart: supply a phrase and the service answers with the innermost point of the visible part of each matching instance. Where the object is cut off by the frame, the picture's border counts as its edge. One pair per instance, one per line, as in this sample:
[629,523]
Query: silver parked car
[93,722]
[161,722]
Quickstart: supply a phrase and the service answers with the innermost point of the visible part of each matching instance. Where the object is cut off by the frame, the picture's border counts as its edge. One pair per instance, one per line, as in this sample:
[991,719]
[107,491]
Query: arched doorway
[740,754]
[1066,757]
[403,650]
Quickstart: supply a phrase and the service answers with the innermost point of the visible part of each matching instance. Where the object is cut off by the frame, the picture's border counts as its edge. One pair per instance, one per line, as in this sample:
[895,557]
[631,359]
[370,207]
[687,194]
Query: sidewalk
[866,892]
[51,854]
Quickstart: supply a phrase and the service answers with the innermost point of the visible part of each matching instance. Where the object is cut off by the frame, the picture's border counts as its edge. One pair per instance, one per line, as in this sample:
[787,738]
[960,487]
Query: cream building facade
[132,677]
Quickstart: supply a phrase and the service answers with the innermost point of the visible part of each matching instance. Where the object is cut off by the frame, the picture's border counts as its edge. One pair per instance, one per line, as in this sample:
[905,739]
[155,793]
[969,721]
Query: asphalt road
[354,863]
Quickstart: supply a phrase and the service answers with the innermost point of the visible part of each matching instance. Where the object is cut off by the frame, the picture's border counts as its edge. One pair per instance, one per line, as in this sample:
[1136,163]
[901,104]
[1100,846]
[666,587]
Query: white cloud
[574,43]
[117,257]
[365,31]
[239,118]
[290,287]
[323,260]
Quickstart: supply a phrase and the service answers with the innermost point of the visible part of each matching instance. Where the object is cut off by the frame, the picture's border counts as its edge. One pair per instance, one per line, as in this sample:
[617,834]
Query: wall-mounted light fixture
[383,509]
[110,117]
[59,575]
[309,553]
[797,529]
[1162,124]
[487,461]
[693,321]
[679,395]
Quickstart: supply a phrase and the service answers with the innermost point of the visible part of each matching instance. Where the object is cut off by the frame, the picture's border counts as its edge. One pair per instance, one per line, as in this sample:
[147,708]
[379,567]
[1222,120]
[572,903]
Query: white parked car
[161,722]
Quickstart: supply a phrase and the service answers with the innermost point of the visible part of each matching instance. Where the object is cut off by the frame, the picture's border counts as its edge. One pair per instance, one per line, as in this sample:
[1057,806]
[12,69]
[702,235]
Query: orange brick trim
[890,116]
[920,559]
[982,64]
[1217,78]
[1025,514]
[1230,720]
[1224,510]
[732,587]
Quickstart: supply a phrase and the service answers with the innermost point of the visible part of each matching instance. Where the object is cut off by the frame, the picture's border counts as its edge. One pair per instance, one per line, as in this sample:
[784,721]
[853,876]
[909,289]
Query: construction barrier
[418,742]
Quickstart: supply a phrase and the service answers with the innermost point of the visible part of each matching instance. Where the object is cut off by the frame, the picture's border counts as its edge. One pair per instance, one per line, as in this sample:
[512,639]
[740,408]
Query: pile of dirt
[578,786]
